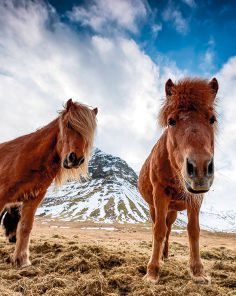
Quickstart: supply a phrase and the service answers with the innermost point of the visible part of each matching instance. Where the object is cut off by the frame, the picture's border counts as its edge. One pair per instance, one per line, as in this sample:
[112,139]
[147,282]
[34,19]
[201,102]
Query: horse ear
[168,87]
[69,103]
[95,110]
[214,85]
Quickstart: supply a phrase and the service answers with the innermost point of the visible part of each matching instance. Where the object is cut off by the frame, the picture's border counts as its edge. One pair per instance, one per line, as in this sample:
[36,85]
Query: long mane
[83,120]
[188,95]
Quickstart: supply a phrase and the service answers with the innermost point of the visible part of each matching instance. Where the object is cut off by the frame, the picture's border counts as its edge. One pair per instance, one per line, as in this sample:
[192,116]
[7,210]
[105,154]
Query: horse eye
[172,122]
[212,119]
[69,126]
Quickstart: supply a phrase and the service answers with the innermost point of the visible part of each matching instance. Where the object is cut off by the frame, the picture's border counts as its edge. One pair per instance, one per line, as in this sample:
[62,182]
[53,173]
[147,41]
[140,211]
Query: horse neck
[49,131]
[46,138]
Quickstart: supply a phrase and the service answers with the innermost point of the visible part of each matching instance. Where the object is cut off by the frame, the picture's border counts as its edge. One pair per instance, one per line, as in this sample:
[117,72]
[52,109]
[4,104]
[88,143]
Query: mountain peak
[110,195]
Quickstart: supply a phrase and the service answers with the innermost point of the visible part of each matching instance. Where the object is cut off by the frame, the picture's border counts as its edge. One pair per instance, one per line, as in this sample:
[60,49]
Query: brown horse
[180,168]
[30,163]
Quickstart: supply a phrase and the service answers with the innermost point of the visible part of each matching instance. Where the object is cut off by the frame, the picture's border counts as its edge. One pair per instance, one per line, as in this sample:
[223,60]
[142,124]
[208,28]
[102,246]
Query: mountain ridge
[110,195]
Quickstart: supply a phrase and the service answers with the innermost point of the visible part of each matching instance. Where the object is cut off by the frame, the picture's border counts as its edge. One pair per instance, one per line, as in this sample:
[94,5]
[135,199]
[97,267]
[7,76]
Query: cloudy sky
[116,55]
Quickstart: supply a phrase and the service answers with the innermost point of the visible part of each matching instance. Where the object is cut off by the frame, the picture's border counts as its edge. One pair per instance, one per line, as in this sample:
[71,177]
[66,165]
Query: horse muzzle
[199,177]
[196,188]
[72,161]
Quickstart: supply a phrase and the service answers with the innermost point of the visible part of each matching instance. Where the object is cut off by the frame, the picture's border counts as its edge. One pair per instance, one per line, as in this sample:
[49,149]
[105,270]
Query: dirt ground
[70,258]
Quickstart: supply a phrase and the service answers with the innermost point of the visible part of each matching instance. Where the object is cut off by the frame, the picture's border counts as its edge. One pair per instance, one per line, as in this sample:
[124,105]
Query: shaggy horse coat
[29,164]
[180,168]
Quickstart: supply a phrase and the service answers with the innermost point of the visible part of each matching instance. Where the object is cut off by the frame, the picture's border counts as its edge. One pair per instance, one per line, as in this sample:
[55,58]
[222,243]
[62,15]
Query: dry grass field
[74,259]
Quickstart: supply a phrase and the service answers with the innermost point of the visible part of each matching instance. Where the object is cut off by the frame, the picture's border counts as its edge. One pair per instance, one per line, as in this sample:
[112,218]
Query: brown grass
[63,265]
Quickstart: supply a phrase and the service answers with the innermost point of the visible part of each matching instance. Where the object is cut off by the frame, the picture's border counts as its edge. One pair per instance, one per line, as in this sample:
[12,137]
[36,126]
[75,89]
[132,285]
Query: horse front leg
[21,254]
[159,234]
[196,267]
[171,217]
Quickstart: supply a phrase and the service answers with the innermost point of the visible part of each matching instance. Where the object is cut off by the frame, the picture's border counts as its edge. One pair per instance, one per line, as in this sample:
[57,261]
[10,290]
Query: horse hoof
[201,279]
[21,262]
[151,278]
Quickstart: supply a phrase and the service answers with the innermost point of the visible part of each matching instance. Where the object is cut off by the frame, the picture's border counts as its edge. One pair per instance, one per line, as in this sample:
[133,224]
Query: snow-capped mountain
[111,195]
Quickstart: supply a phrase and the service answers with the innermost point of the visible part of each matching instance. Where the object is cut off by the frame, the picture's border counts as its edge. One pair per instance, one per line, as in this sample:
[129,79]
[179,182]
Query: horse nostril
[72,157]
[210,168]
[81,160]
[190,168]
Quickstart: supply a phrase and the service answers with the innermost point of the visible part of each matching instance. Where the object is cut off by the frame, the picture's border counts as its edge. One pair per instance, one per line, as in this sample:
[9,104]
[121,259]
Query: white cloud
[43,65]
[108,15]
[226,101]
[208,58]
[222,195]
[156,28]
[190,3]
[174,15]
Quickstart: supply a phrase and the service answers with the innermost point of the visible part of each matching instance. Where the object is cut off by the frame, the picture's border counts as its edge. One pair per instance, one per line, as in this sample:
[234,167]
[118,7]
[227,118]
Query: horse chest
[177,199]
[173,193]
[30,187]
[31,195]
[177,205]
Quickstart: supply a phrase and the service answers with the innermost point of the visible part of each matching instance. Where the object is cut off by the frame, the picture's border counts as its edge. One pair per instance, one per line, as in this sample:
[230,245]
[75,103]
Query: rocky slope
[110,195]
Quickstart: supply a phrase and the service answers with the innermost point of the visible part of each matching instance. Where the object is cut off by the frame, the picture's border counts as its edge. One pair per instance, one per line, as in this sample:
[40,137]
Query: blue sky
[117,55]
[199,36]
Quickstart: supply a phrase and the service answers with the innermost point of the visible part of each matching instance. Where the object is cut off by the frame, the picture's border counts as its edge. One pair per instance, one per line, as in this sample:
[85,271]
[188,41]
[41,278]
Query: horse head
[190,118]
[77,128]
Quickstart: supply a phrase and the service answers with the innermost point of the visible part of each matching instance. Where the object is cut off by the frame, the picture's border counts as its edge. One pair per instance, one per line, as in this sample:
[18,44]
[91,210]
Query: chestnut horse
[29,164]
[180,168]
